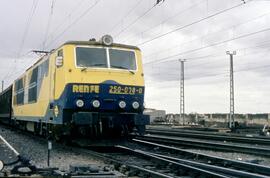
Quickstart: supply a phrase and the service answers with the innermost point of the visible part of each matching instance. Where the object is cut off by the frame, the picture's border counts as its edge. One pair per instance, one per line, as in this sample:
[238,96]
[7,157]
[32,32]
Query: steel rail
[9,146]
[261,169]
[208,144]
[190,167]
[211,136]
[185,130]
[218,169]
[110,159]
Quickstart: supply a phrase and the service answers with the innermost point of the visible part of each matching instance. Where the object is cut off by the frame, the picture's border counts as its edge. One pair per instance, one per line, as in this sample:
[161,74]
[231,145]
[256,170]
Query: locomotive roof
[6,90]
[97,43]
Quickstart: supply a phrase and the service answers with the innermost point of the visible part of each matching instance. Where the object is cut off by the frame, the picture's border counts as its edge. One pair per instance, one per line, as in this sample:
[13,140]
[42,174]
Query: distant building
[156,115]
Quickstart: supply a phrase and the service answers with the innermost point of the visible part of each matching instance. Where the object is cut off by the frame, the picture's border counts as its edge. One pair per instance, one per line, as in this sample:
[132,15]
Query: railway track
[141,158]
[259,140]
[139,163]
[216,160]
[148,159]
[207,144]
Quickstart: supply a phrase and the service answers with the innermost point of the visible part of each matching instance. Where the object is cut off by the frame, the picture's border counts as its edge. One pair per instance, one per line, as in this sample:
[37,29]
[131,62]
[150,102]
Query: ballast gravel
[237,156]
[35,149]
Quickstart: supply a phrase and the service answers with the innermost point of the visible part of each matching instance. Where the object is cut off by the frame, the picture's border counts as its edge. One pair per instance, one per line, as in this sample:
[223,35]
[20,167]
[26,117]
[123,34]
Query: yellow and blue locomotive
[83,87]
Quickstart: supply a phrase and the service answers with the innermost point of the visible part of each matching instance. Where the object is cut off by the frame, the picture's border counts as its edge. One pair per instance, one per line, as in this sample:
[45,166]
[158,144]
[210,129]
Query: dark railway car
[5,105]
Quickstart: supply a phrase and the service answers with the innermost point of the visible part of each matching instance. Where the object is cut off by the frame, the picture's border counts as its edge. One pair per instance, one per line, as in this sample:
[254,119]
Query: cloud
[206,69]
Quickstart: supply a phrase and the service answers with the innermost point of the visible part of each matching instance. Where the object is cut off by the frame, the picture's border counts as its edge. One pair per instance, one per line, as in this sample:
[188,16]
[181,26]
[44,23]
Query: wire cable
[167,19]
[202,75]
[210,45]
[25,33]
[126,15]
[193,23]
[204,36]
[192,59]
[65,19]
[137,19]
[48,24]
[73,23]
[28,23]
[223,74]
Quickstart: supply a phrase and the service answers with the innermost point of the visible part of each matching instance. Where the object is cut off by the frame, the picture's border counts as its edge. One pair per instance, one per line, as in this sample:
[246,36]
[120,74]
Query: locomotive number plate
[114,89]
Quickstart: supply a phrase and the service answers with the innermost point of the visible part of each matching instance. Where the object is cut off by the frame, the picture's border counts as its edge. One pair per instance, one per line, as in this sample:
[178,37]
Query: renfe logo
[85,88]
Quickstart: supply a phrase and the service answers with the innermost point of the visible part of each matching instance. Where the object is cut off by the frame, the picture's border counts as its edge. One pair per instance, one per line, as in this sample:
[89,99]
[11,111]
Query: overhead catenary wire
[50,35]
[220,54]
[235,71]
[175,81]
[137,19]
[205,75]
[245,69]
[210,45]
[167,19]
[25,33]
[125,16]
[192,23]
[48,24]
[233,27]
[28,24]
[207,63]
[73,23]
[225,73]
[221,57]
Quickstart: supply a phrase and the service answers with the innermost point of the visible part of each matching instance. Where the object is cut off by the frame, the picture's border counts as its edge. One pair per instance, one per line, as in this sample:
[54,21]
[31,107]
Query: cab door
[59,74]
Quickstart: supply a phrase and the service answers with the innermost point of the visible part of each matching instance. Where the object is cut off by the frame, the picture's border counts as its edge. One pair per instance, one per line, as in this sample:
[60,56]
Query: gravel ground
[237,156]
[35,149]
[229,155]
[233,155]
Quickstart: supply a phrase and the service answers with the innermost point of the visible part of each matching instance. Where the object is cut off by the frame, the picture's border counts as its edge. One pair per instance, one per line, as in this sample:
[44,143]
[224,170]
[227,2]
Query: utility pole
[2,85]
[182,91]
[231,118]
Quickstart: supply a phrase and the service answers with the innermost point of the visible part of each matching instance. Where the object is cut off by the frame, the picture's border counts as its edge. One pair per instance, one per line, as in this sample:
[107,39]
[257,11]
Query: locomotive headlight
[122,104]
[135,105]
[80,103]
[107,40]
[96,103]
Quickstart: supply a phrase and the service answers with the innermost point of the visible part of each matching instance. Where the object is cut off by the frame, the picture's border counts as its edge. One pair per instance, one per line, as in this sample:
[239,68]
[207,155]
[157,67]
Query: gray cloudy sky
[199,31]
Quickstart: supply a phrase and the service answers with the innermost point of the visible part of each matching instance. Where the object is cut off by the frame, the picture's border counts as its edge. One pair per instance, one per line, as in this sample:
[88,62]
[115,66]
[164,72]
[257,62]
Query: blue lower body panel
[88,118]
[108,116]
[96,123]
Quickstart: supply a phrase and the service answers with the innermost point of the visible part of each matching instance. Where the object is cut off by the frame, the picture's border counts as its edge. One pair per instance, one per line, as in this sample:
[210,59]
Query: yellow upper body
[52,79]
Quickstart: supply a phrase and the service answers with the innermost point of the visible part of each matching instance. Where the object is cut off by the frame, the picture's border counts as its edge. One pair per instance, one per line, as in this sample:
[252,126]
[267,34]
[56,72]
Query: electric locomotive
[90,87]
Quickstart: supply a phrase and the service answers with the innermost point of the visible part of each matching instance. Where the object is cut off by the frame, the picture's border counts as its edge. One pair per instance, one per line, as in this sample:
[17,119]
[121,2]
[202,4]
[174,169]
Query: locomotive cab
[99,88]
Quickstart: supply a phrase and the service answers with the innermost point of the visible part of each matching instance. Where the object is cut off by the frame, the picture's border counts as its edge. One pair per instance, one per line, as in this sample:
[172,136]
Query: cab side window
[19,92]
[32,90]
[60,53]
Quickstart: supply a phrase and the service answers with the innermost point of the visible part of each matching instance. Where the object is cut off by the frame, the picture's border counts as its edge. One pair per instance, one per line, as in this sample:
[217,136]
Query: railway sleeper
[214,160]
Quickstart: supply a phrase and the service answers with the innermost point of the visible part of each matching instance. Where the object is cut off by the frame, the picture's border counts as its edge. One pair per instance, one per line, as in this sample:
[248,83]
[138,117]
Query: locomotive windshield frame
[129,65]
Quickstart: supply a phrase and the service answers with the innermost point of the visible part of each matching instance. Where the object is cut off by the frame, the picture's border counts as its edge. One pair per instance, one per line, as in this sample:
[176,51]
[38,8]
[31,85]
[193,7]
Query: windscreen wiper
[84,68]
[98,65]
[121,67]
